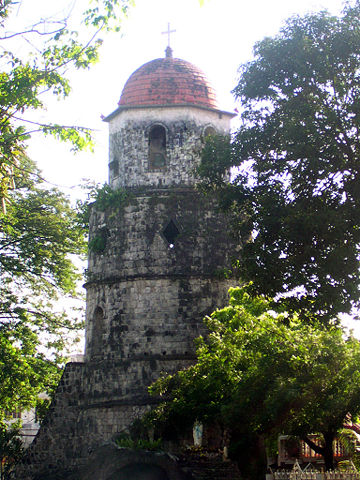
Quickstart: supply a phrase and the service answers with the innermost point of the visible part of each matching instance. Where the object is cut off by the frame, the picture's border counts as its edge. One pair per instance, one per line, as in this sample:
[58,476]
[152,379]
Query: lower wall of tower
[89,410]
[98,399]
[56,442]
[145,306]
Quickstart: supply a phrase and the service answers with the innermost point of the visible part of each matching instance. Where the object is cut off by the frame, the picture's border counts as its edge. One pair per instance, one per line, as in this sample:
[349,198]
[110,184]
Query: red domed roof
[168,81]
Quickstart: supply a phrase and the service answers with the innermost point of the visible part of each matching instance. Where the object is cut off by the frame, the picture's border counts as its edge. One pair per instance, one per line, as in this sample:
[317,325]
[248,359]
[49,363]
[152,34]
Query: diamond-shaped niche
[170,233]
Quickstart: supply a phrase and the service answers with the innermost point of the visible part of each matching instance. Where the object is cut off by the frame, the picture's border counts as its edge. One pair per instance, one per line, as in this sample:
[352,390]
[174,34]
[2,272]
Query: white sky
[217,37]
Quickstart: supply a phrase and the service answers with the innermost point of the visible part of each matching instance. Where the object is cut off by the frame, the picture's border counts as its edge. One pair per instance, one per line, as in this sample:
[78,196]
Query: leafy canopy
[44,69]
[265,372]
[295,196]
[38,235]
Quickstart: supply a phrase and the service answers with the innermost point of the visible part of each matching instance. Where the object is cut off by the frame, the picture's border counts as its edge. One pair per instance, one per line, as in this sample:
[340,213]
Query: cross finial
[168,32]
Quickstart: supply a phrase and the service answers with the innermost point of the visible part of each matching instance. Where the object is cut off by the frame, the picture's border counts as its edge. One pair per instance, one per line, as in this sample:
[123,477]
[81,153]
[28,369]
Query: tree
[295,195]
[38,235]
[40,232]
[11,449]
[266,373]
[24,82]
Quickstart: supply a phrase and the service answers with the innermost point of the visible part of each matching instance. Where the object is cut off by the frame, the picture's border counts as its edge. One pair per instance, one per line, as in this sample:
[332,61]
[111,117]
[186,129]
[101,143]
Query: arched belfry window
[209,131]
[97,332]
[157,147]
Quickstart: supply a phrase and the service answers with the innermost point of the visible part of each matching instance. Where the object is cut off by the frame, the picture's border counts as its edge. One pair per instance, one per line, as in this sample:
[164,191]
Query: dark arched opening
[209,131]
[97,332]
[157,147]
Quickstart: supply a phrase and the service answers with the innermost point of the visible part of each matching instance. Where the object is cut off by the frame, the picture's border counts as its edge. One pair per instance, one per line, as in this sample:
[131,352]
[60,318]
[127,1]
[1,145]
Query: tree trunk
[328,453]
[326,450]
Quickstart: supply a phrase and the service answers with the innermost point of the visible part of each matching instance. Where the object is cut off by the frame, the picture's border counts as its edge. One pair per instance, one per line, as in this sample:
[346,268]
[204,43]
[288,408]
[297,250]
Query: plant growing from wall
[125,441]
[102,198]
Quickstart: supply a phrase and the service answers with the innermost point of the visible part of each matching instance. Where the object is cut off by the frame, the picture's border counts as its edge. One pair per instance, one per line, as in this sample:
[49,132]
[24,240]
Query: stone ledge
[150,276]
[139,358]
[129,402]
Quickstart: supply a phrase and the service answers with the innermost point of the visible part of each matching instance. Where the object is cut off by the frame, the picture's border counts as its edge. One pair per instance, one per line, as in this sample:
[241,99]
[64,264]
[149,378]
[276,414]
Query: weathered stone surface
[153,294]
[185,130]
[157,273]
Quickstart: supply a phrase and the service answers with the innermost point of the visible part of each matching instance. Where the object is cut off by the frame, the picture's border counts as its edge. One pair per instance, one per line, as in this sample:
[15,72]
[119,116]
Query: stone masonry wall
[154,294]
[152,317]
[94,402]
[57,434]
[135,239]
[185,130]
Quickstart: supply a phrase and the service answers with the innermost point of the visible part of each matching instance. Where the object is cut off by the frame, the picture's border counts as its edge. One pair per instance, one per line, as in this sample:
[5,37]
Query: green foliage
[348,439]
[101,198]
[24,81]
[223,273]
[11,449]
[137,436]
[39,231]
[97,244]
[262,372]
[106,13]
[125,441]
[215,154]
[294,198]
[107,197]
[42,408]
[38,234]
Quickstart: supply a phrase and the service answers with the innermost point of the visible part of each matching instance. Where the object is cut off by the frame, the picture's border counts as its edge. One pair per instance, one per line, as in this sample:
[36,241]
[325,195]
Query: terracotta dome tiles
[167,81]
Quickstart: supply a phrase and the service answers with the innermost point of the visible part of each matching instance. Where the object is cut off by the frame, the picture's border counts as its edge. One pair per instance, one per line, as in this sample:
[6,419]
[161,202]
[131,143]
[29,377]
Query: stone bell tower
[155,257]
[158,274]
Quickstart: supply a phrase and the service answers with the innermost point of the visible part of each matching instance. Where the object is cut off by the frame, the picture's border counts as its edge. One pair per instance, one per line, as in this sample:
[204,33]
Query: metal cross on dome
[168,32]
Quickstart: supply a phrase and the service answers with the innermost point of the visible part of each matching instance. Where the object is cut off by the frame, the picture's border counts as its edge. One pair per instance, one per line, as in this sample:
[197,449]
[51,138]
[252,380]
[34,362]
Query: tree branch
[51,127]
[33,30]
[317,448]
